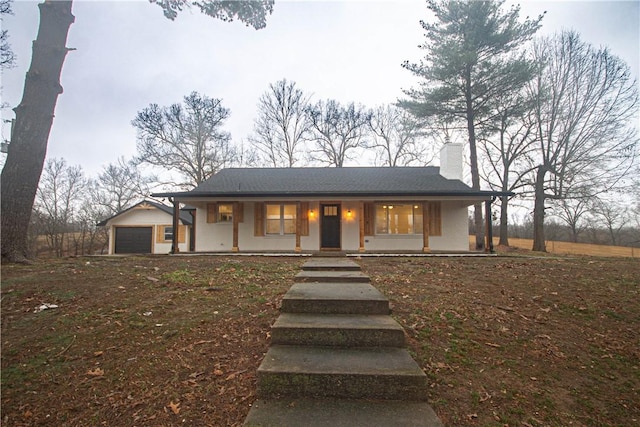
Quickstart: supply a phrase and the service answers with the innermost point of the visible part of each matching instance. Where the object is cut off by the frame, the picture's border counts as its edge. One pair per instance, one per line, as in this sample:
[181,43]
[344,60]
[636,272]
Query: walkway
[337,358]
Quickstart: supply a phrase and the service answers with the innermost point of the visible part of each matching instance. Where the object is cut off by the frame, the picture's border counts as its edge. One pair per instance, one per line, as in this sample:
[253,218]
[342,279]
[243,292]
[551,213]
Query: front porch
[346,227]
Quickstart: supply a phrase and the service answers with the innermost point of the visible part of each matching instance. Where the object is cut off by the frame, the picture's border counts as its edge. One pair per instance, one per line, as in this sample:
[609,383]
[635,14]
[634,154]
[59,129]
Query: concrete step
[346,330]
[334,298]
[356,373]
[340,413]
[330,264]
[332,276]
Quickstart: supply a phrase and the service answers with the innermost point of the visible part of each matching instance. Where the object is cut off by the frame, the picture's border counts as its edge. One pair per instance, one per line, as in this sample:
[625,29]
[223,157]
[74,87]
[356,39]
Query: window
[398,218]
[164,233]
[280,219]
[168,234]
[330,211]
[225,212]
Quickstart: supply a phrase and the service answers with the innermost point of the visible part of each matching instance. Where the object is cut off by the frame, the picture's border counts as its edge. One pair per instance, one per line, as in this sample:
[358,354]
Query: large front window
[281,219]
[398,218]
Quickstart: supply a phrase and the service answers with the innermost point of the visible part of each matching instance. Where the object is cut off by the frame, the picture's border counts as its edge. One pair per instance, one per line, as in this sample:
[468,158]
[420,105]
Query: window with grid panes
[398,218]
[280,219]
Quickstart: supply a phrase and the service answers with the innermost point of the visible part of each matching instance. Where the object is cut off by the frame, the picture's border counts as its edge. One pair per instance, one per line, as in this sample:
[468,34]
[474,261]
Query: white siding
[455,229]
[214,237]
[350,226]
[139,217]
[218,237]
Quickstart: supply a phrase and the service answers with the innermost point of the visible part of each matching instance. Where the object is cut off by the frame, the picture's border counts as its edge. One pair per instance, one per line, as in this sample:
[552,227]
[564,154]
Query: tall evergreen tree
[472,55]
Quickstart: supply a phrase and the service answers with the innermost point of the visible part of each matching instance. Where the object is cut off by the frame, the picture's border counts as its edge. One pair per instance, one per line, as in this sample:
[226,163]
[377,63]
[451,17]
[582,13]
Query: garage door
[133,240]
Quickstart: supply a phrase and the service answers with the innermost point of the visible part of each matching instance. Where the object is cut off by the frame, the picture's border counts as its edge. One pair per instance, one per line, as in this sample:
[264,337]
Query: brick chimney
[451,161]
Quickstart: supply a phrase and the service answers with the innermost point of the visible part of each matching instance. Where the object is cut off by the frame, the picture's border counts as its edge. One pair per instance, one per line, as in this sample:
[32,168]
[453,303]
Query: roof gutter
[194,195]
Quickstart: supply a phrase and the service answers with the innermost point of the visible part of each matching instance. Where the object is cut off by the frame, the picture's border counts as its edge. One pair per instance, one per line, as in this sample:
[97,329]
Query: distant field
[567,248]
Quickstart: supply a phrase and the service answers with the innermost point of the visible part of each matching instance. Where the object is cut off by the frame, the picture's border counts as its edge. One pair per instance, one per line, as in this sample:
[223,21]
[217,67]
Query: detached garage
[146,228]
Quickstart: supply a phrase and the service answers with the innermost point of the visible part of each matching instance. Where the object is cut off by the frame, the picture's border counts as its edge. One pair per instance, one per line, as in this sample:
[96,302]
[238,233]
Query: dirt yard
[167,341]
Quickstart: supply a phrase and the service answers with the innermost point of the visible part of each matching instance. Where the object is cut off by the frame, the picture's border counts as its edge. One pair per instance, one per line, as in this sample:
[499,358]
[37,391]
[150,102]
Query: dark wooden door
[330,223]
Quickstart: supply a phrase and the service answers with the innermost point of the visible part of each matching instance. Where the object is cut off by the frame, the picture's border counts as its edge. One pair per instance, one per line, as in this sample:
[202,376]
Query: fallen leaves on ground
[503,340]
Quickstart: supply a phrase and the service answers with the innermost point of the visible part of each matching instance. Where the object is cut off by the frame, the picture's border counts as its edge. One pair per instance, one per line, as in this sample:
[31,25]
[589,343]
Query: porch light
[311,213]
[349,213]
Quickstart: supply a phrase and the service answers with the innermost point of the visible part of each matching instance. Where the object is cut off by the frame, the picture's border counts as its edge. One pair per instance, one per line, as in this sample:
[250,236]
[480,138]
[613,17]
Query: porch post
[488,247]
[192,232]
[175,224]
[425,227]
[361,219]
[235,216]
[298,226]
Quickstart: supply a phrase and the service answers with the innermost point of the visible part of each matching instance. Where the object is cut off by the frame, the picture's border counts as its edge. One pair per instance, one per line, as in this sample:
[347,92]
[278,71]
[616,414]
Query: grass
[508,338]
[503,341]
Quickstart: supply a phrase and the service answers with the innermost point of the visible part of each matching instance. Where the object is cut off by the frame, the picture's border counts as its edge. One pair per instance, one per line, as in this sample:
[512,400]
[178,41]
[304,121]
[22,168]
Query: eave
[186,195]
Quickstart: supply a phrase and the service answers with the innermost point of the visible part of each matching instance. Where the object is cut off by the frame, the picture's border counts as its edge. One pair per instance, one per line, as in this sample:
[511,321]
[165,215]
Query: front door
[330,223]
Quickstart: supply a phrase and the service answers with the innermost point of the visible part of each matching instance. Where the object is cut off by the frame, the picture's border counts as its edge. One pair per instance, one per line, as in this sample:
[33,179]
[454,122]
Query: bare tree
[119,186]
[634,232]
[612,215]
[7,57]
[585,104]
[337,131]
[59,195]
[281,128]
[90,238]
[34,115]
[396,137]
[573,212]
[185,139]
[635,207]
[248,156]
[506,142]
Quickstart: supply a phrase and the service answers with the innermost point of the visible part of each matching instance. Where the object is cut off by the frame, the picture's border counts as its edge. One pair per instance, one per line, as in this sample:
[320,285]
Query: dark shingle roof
[327,182]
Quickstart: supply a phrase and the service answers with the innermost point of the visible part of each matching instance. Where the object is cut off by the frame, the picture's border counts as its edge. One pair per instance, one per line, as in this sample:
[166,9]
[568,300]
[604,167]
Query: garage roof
[185,217]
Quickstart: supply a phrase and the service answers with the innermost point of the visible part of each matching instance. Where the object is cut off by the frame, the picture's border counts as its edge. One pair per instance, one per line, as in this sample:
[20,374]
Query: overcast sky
[128,56]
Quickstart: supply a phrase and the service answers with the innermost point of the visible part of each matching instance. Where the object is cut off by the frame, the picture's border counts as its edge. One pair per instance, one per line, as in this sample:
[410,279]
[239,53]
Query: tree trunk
[473,160]
[504,228]
[574,231]
[538,211]
[612,235]
[34,117]
[475,183]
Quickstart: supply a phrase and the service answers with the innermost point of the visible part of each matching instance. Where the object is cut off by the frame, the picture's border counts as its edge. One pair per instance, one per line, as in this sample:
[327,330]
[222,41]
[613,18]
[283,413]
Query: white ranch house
[351,209]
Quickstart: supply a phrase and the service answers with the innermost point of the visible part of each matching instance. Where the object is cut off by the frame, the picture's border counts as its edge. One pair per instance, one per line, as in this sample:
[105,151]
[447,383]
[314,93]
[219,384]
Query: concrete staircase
[337,358]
